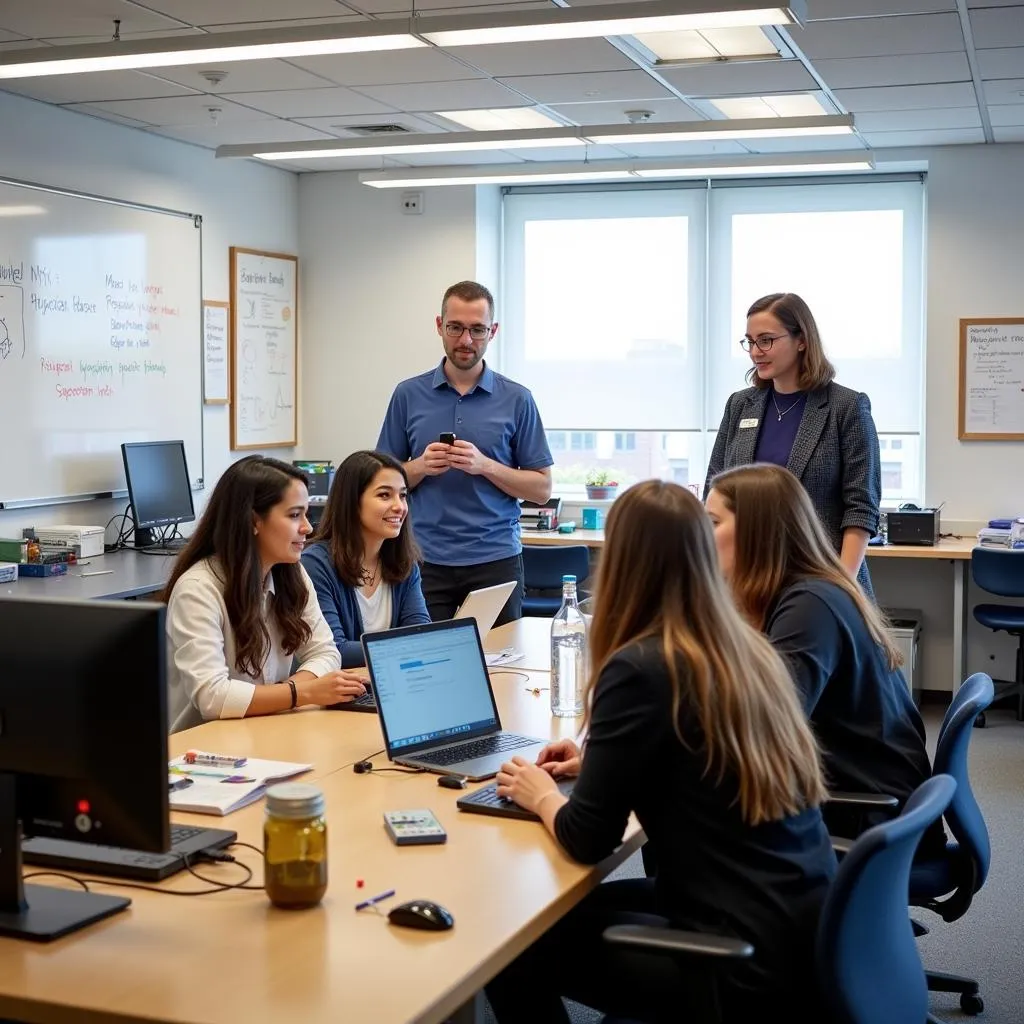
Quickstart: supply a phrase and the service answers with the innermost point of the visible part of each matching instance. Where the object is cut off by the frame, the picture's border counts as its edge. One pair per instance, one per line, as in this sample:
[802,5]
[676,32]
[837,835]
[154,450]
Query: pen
[223,776]
[375,899]
[98,572]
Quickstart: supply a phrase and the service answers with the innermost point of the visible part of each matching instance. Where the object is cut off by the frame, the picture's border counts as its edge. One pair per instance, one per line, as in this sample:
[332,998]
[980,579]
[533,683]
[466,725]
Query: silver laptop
[435,702]
[485,605]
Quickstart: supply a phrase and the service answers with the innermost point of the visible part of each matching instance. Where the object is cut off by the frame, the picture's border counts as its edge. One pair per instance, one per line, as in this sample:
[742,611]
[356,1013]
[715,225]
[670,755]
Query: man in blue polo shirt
[463,504]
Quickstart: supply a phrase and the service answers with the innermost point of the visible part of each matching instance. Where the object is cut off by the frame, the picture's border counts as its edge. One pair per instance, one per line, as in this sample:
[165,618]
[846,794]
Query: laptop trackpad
[489,765]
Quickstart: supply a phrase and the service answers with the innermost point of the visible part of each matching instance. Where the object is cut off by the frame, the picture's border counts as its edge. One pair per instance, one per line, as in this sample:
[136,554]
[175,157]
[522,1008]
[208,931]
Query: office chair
[1001,572]
[867,963]
[946,884]
[543,568]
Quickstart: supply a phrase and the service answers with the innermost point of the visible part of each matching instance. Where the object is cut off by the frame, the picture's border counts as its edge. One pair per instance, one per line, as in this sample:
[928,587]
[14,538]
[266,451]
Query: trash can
[905,631]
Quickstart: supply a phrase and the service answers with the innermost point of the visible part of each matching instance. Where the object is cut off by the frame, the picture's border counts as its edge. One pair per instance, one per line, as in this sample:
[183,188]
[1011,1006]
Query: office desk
[130,575]
[232,957]
[958,552]
[532,635]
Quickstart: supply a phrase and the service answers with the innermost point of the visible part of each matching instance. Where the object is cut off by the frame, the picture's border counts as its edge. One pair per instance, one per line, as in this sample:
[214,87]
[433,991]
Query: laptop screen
[431,684]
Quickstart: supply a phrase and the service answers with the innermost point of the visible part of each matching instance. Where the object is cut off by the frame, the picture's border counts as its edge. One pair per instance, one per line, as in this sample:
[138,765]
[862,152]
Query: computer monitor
[321,475]
[158,488]
[83,746]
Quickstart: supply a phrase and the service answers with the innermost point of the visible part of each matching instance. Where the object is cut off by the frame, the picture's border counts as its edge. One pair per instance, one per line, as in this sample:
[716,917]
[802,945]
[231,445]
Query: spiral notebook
[216,790]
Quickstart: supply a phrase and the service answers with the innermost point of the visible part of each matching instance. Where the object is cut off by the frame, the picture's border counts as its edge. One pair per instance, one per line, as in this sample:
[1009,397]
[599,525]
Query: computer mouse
[421,914]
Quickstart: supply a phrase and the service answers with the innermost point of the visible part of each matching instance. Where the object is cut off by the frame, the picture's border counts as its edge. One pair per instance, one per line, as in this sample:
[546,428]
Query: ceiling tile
[881,37]
[907,97]
[610,85]
[404,6]
[203,12]
[912,69]
[310,102]
[996,27]
[106,115]
[246,76]
[96,87]
[747,78]
[41,18]
[474,7]
[467,95]
[658,150]
[546,58]
[178,110]
[174,33]
[241,132]
[252,26]
[398,67]
[334,163]
[944,137]
[335,126]
[1009,116]
[1004,90]
[1008,134]
[918,120]
[1002,63]
[821,10]
[811,144]
[615,112]
[571,154]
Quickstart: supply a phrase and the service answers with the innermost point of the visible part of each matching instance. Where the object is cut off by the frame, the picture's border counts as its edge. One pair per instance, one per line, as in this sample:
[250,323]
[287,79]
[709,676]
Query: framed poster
[992,379]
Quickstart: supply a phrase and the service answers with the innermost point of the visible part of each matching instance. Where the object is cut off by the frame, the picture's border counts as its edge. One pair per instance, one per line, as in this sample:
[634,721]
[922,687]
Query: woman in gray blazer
[795,415]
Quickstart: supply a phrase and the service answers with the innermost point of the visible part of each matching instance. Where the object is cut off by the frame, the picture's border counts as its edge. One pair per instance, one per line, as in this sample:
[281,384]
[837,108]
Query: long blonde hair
[779,541]
[658,577]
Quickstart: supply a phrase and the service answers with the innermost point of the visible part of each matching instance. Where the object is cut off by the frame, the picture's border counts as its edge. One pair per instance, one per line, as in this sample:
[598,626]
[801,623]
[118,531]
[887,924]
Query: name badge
[744,424]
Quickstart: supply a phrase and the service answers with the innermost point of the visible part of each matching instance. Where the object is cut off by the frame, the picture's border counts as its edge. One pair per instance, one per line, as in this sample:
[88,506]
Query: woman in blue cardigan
[363,560]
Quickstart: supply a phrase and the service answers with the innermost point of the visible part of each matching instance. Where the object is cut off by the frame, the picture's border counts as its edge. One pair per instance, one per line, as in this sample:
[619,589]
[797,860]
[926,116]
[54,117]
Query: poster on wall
[216,353]
[992,379]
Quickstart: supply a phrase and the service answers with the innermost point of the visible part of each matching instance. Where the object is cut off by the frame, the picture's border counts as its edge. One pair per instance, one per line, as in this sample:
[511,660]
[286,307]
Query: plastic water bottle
[568,654]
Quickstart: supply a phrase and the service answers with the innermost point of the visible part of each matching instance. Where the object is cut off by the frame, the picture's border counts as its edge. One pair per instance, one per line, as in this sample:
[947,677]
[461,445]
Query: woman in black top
[787,581]
[693,725]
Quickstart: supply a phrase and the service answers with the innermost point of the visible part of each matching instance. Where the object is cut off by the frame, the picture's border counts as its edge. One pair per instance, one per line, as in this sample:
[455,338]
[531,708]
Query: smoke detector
[214,76]
[214,113]
[638,116]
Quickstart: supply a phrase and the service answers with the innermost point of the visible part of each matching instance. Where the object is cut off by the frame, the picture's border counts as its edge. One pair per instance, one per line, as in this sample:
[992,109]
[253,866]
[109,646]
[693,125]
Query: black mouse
[421,914]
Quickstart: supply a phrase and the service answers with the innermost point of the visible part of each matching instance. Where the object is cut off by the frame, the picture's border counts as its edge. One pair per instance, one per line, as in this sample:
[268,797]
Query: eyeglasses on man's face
[478,332]
[763,342]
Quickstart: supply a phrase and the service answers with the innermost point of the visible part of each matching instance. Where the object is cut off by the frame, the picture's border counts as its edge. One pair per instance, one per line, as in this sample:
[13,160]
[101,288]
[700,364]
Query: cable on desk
[509,672]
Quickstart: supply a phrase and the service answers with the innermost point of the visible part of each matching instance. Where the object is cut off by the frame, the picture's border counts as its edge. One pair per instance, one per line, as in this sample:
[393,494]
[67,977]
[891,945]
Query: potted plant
[600,485]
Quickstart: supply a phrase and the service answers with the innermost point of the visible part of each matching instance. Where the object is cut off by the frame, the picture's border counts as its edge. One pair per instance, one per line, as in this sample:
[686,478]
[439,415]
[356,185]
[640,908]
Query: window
[623,309]
[556,440]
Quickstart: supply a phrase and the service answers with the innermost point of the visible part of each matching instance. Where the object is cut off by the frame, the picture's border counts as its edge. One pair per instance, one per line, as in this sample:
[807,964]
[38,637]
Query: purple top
[775,441]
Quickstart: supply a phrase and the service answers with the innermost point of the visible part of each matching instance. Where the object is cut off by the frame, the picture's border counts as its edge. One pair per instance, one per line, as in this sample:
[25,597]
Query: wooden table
[232,957]
[956,551]
[531,635]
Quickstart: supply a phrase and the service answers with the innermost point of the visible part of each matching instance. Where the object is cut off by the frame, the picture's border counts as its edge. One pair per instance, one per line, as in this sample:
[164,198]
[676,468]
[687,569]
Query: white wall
[370,287]
[241,202]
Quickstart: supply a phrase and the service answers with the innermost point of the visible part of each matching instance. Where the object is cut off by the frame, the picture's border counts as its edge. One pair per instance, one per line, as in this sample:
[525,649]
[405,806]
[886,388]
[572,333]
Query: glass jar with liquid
[294,845]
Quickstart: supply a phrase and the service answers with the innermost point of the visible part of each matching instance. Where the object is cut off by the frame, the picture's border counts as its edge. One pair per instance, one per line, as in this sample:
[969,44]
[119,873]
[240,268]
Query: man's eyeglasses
[764,342]
[478,332]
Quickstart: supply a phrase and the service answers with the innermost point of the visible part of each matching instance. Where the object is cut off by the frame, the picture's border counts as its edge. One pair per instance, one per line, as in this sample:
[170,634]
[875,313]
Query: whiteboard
[264,350]
[992,379]
[99,340]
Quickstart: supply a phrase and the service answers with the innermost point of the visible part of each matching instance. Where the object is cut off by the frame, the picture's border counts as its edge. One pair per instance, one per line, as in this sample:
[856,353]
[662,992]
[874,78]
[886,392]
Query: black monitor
[83,746]
[321,475]
[159,491]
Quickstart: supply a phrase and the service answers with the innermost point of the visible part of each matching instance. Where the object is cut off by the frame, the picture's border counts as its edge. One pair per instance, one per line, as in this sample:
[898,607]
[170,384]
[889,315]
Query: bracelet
[295,693]
[551,792]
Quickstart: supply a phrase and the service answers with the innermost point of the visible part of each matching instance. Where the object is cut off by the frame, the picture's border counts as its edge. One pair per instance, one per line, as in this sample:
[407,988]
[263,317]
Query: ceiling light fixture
[710,44]
[608,134]
[793,104]
[617,170]
[500,119]
[624,19]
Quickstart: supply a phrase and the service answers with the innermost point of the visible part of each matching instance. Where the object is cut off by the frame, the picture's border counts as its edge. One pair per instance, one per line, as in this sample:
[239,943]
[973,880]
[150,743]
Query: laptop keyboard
[477,748]
[364,700]
[182,833]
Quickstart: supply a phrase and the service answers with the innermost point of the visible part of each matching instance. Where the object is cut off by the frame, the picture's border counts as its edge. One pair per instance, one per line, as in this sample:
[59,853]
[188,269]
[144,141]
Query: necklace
[782,412]
[367,578]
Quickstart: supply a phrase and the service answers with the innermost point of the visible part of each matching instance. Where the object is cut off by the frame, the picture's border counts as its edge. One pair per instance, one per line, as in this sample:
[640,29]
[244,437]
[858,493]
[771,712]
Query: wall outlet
[412,202]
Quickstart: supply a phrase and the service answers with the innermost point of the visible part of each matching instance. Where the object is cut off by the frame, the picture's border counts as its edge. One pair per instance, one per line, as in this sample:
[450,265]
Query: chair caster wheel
[979,723]
[972,1004]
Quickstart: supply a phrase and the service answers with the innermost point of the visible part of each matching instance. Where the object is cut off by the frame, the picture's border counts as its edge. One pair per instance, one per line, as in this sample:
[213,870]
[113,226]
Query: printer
[912,525]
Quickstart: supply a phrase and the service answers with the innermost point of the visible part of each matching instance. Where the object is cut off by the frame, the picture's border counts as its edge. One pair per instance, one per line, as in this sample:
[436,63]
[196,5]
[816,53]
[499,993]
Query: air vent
[372,129]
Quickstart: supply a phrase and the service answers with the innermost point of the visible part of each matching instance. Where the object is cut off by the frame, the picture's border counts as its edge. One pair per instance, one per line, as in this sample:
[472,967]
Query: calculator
[414,828]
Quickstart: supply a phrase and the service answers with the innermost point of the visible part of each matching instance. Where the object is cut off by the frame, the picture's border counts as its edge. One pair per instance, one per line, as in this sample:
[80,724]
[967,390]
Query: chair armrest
[918,928]
[676,942]
[841,846]
[866,800]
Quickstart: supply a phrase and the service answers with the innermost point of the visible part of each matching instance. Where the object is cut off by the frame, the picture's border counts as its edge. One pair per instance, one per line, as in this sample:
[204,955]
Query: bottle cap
[568,579]
[295,800]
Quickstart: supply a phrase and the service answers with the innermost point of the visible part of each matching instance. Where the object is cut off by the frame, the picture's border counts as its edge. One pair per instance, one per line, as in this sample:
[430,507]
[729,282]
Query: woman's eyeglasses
[763,342]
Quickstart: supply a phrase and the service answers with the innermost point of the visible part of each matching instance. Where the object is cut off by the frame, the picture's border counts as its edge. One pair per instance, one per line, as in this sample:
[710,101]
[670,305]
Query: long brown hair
[341,530]
[795,315]
[779,541]
[248,489]
[658,577]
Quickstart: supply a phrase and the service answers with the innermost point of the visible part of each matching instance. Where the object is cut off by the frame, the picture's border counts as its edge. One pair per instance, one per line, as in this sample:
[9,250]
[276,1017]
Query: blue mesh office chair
[1001,572]
[946,885]
[543,568]
[868,966]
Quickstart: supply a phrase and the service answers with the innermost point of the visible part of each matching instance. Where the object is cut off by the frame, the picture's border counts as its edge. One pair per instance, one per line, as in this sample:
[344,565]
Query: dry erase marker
[221,760]
[98,572]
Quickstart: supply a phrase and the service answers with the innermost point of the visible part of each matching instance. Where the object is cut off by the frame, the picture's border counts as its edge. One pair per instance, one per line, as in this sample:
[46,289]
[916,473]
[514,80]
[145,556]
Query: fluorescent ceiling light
[615,170]
[501,119]
[21,211]
[627,19]
[797,104]
[711,44]
[263,44]
[703,131]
